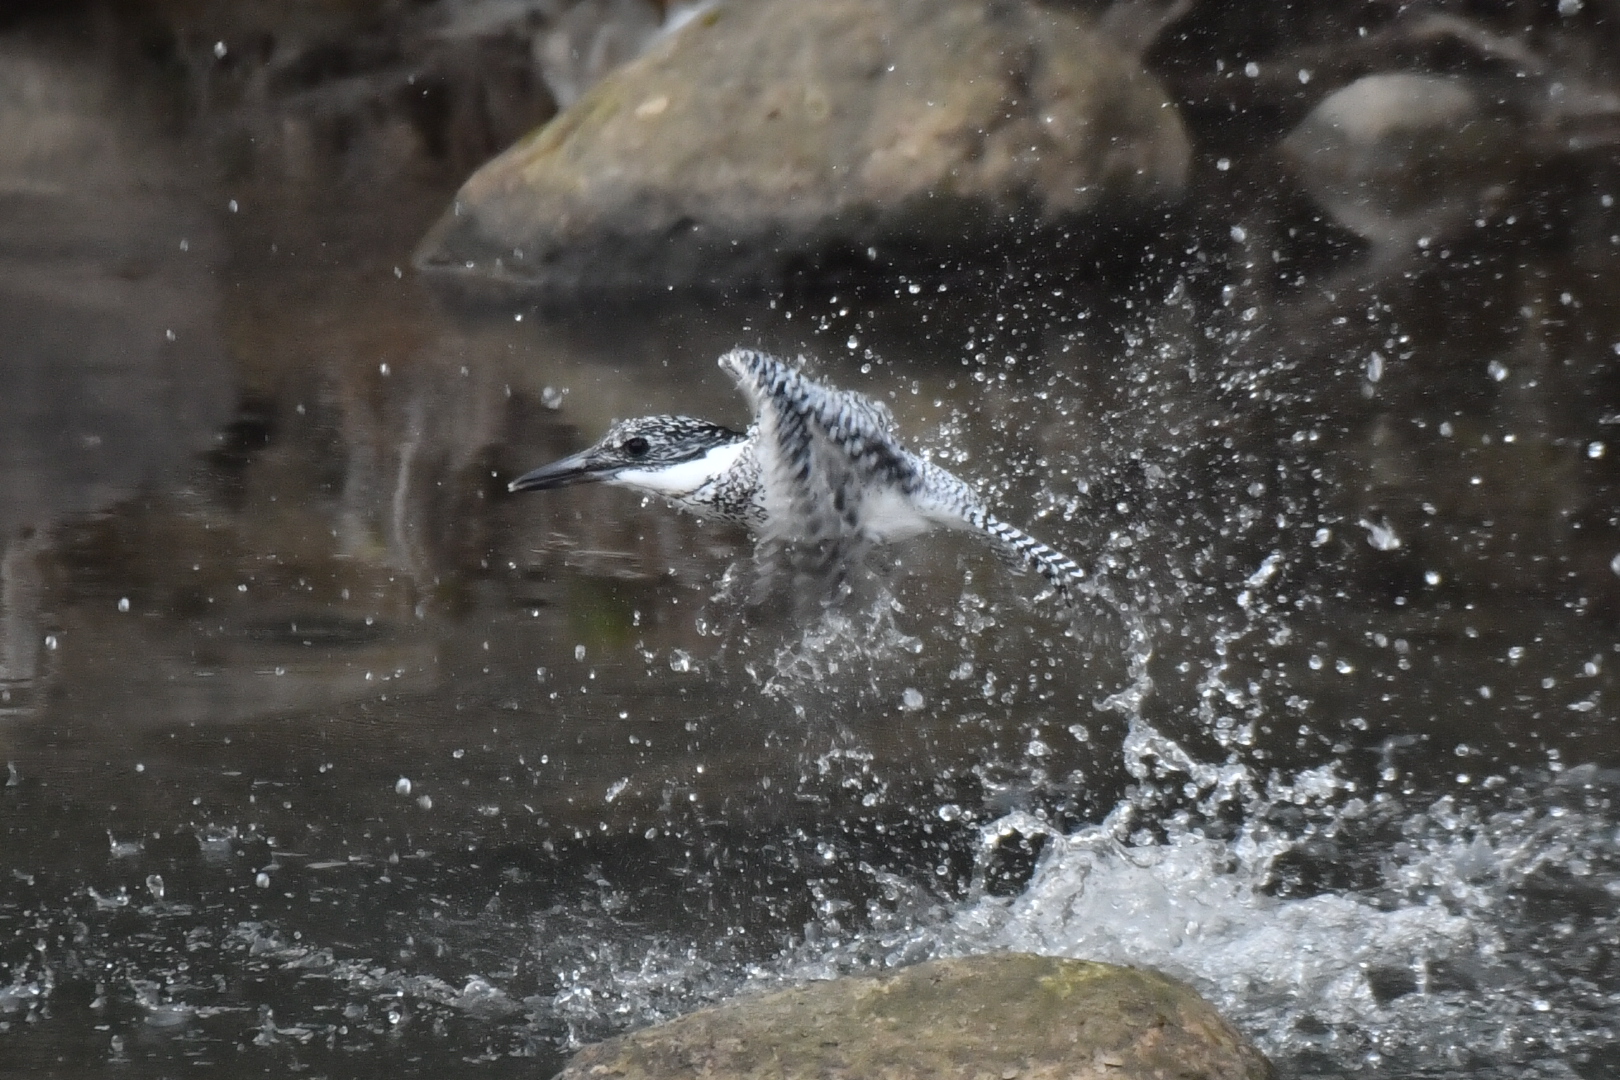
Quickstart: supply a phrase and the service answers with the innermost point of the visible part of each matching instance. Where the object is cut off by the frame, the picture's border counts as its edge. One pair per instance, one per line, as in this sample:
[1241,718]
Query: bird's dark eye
[636,446]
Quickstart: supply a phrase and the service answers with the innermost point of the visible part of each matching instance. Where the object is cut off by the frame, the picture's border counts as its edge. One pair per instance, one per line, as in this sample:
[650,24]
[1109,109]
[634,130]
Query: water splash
[846,645]
[1439,964]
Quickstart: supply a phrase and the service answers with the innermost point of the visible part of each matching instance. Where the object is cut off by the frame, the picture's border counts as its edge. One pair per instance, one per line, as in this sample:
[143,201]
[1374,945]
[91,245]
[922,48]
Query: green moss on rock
[1001,1016]
[771,130]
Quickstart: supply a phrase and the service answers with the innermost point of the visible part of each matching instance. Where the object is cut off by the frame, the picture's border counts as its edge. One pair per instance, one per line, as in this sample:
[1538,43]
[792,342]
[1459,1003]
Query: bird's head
[633,453]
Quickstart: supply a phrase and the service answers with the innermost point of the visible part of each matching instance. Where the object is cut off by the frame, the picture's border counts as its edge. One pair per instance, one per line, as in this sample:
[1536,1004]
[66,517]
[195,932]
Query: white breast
[890,515]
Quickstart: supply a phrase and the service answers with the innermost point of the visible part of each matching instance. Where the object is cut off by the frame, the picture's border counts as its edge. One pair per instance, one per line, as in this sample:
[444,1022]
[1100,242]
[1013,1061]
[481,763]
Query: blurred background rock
[434,88]
[766,140]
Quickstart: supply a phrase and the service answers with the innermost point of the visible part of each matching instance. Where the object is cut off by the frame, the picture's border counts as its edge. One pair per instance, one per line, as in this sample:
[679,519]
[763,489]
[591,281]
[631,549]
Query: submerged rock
[1001,1015]
[765,136]
[1398,157]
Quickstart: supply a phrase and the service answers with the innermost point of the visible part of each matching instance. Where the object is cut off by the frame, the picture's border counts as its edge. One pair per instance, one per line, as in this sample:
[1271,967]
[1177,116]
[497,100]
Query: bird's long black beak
[576,469]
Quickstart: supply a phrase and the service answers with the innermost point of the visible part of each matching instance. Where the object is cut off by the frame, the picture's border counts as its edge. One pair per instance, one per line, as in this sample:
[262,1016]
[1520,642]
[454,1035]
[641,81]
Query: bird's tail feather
[1061,572]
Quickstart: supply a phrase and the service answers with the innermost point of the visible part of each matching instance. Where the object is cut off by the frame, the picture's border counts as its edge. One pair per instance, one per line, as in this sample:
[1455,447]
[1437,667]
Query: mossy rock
[766,134]
[1007,1016]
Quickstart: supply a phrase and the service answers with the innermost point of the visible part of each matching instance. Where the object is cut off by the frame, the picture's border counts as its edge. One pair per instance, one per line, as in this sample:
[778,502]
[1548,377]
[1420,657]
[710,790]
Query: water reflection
[323,750]
[114,367]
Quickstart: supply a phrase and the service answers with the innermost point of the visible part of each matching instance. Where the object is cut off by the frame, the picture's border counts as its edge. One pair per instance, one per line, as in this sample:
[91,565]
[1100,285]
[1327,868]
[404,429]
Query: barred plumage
[820,475]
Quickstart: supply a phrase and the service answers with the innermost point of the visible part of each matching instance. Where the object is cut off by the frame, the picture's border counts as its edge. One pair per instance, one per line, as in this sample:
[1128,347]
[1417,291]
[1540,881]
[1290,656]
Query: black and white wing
[835,477]
[1023,550]
[822,454]
[948,500]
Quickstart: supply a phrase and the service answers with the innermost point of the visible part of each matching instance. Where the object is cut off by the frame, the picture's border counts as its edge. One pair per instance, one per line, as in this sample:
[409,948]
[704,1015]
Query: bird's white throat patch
[682,478]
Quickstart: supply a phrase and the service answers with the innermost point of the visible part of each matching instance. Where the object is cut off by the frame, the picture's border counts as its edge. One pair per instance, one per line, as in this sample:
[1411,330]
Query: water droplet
[1496,370]
[154,885]
[1381,535]
[681,661]
[911,700]
[425,802]
[1595,450]
[123,603]
[402,786]
[949,812]
[579,652]
[262,880]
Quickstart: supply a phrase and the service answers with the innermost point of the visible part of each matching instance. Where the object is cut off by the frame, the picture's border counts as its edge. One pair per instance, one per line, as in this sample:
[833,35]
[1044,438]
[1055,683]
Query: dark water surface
[325,755]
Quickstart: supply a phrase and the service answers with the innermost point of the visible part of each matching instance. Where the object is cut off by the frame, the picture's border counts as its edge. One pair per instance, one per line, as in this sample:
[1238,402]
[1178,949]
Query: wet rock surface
[1002,1015]
[761,135]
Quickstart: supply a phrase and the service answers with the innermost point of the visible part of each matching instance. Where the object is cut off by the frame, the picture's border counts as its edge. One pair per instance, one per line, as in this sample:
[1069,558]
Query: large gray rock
[763,134]
[999,1016]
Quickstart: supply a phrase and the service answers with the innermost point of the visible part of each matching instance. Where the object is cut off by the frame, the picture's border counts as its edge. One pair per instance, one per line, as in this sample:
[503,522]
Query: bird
[820,477]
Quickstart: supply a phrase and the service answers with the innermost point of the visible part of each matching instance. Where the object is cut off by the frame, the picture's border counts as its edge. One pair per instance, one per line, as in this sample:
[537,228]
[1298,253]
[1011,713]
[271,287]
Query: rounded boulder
[1012,1016]
[764,136]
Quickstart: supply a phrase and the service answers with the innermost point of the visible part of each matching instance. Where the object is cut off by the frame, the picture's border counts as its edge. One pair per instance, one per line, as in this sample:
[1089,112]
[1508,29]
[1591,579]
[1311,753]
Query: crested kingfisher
[820,472]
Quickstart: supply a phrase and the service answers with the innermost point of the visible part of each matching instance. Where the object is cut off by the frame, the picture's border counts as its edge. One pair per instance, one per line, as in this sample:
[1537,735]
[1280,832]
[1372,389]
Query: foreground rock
[763,136]
[999,1016]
